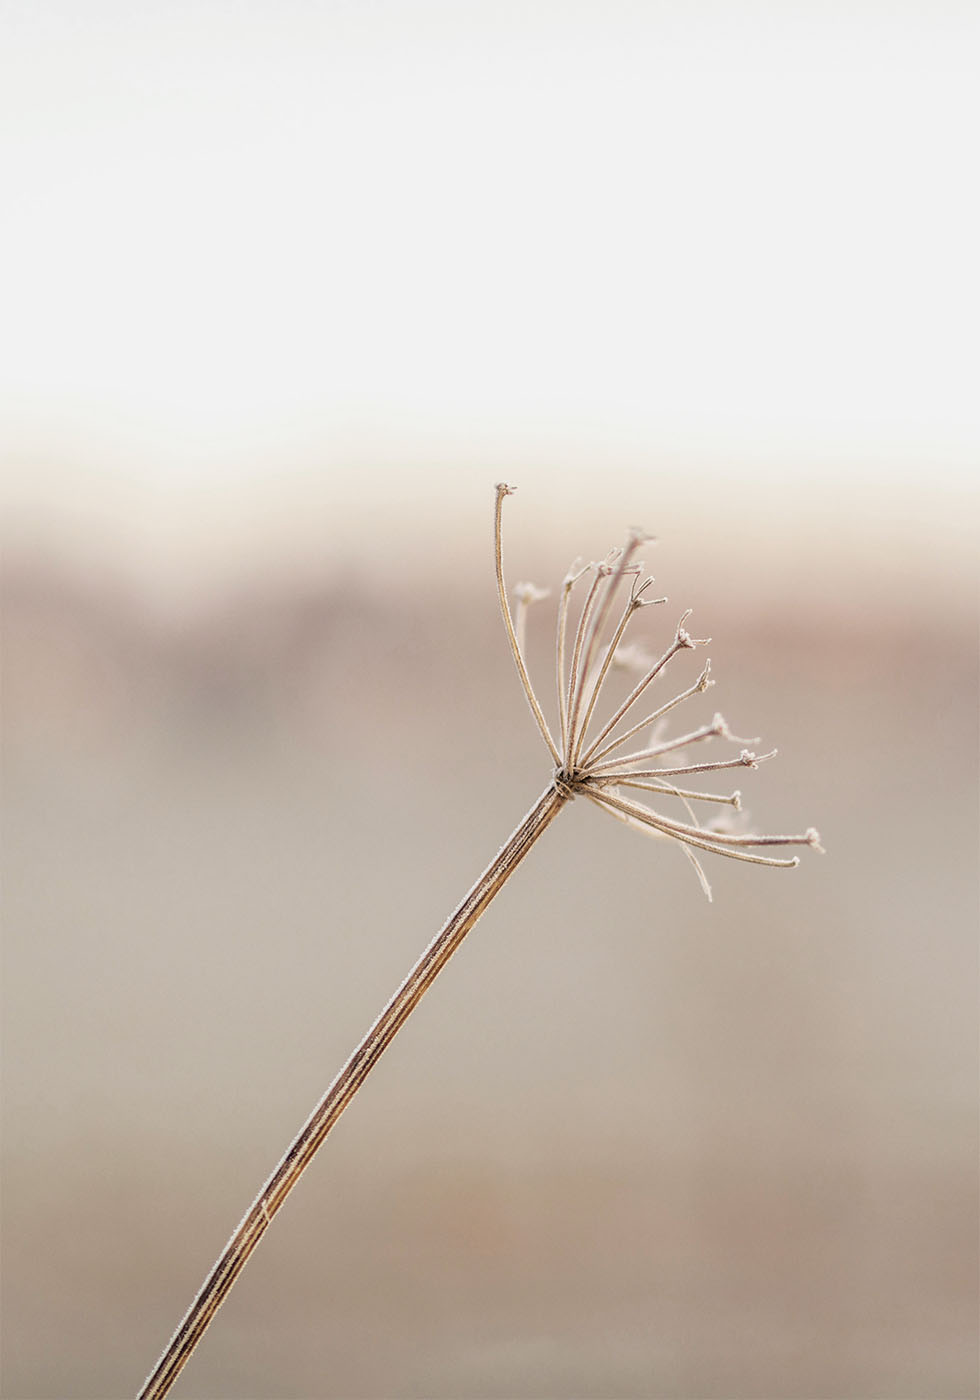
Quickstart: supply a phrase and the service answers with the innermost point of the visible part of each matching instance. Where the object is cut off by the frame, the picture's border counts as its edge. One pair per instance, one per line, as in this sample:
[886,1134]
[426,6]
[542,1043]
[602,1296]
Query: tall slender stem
[300,1153]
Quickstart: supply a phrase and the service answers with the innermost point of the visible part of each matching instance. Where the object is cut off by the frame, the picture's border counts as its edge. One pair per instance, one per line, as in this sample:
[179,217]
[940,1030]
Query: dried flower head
[589,644]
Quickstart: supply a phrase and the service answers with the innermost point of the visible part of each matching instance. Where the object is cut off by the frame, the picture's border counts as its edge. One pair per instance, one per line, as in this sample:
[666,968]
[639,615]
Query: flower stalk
[301,1150]
[581,766]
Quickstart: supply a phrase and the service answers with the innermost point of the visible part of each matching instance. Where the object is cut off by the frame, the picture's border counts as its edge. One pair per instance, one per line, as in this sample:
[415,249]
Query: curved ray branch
[577,725]
[602,571]
[810,837]
[575,573]
[744,760]
[597,625]
[635,602]
[731,799]
[682,641]
[699,872]
[691,836]
[702,684]
[634,540]
[690,812]
[504,490]
[717,729]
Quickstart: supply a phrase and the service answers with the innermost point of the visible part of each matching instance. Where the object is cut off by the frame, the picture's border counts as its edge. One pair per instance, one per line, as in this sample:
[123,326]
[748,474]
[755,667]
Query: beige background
[262,730]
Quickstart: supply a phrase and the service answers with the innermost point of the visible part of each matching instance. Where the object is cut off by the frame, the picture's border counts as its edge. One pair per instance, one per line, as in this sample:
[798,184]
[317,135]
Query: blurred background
[287,288]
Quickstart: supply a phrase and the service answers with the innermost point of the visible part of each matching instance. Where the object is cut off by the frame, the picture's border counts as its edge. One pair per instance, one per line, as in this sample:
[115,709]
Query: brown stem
[300,1153]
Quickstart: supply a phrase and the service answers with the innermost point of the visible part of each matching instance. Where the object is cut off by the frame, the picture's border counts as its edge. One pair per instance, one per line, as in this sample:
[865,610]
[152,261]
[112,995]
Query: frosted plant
[588,649]
[594,765]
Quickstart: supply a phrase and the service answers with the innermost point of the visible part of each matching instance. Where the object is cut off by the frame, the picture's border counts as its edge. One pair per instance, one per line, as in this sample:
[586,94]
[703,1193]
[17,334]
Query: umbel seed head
[588,750]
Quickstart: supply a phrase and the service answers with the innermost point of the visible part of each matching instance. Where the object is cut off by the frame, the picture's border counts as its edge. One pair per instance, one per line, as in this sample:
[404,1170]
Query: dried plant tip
[752,760]
[683,638]
[636,595]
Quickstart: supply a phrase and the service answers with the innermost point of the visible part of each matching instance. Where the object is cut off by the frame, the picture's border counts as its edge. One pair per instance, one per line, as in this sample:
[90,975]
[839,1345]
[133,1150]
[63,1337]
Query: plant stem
[300,1152]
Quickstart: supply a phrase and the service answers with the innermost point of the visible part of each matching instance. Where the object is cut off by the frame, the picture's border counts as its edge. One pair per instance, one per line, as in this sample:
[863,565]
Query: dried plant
[588,647]
[586,765]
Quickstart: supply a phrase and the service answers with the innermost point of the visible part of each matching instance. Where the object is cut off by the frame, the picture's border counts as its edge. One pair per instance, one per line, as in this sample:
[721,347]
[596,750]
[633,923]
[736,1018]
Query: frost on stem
[590,763]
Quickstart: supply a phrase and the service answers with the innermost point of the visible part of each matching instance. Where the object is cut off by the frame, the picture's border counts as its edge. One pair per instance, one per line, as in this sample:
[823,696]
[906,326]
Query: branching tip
[683,638]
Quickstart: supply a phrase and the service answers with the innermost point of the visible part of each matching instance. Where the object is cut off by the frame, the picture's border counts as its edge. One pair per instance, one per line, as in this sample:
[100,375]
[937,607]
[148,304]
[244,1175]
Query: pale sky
[254,243]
